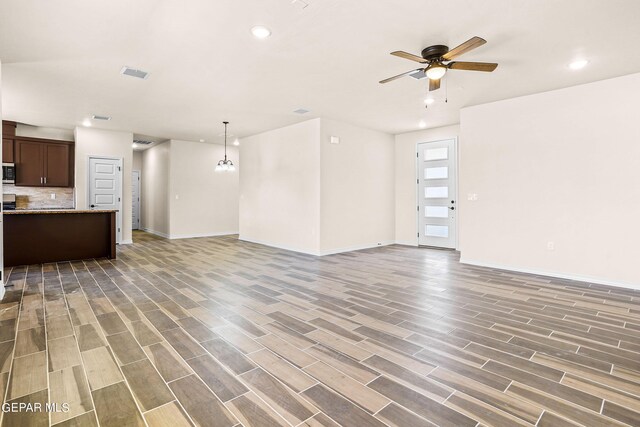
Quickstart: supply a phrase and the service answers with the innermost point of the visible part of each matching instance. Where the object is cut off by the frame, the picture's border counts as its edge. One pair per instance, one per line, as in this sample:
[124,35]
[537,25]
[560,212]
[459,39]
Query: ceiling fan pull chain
[446,91]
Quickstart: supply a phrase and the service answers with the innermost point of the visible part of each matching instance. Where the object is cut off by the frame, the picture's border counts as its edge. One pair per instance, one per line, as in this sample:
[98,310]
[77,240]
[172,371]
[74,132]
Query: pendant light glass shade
[226,164]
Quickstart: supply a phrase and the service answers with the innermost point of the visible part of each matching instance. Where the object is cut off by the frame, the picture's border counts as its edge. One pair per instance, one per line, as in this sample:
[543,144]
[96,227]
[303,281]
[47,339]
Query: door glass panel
[436,192]
[436,173]
[436,212]
[437,230]
[436,154]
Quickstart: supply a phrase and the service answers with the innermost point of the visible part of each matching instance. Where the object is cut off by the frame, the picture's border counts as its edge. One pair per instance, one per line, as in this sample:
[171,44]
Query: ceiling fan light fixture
[436,72]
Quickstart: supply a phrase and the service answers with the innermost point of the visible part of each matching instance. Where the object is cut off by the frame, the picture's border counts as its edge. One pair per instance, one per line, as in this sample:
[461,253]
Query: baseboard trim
[322,253]
[407,243]
[356,248]
[576,277]
[271,245]
[157,233]
[192,236]
[126,242]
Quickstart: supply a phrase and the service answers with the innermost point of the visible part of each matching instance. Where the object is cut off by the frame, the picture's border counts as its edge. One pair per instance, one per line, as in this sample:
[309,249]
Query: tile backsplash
[39,197]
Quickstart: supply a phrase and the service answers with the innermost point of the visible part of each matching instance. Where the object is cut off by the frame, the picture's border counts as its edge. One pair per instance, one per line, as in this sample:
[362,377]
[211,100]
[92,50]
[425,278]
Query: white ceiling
[61,59]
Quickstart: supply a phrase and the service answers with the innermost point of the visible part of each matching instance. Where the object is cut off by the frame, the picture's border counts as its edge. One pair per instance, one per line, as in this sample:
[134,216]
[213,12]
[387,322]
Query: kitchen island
[52,235]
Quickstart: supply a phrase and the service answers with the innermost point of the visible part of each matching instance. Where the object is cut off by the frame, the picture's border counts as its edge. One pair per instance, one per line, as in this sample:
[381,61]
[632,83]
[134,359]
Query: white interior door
[105,187]
[135,194]
[437,207]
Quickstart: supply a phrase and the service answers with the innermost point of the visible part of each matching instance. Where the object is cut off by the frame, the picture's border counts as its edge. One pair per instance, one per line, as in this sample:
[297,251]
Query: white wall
[356,188]
[97,142]
[203,202]
[137,161]
[280,187]
[154,200]
[559,166]
[44,132]
[406,227]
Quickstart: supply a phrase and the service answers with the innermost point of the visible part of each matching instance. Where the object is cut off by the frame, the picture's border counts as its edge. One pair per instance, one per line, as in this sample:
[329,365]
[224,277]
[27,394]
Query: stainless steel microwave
[8,173]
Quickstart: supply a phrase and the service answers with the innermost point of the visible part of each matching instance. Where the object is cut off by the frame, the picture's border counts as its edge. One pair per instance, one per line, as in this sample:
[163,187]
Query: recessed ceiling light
[301,111]
[422,124]
[260,32]
[86,123]
[578,64]
[236,142]
[134,145]
[429,101]
[202,140]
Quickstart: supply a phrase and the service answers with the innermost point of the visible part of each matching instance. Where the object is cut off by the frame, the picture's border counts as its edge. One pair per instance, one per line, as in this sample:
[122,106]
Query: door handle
[41,182]
[93,206]
[45,179]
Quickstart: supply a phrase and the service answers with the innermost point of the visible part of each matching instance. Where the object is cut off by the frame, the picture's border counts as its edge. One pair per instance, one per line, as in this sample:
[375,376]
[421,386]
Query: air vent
[128,71]
[97,117]
[418,75]
[301,111]
[142,142]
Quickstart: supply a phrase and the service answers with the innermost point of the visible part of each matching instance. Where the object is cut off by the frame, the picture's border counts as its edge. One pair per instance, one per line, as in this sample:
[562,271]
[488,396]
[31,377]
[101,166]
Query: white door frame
[137,202]
[417,177]
[120,213]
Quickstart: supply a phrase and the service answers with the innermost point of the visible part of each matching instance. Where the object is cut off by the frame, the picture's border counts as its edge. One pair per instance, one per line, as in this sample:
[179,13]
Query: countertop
[57,211]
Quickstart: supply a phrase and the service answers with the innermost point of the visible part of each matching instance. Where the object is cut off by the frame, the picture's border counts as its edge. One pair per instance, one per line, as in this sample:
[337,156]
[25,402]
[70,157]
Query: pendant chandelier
[225,165]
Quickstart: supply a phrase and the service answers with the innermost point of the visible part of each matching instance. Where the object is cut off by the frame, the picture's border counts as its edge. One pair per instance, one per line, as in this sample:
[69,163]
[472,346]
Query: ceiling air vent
[128,71]
[97,117]
[142,142]
[301,111]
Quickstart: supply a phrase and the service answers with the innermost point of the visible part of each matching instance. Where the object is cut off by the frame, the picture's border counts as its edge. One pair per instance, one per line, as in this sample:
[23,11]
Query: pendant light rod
[225,140]
[226,164]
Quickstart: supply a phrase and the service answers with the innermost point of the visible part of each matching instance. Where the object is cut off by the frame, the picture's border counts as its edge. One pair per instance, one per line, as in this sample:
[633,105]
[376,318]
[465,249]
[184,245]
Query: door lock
[452,208]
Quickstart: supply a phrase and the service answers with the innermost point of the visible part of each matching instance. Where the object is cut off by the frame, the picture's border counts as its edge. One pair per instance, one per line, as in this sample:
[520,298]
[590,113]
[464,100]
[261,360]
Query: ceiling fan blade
[465,47]
[434,85]
[407,55]
[399,75]
[473,66]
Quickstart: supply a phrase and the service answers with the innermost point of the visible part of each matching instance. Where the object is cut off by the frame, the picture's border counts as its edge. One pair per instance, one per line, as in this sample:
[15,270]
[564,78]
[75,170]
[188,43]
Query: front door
[135,196]
[105,187]
[437,208]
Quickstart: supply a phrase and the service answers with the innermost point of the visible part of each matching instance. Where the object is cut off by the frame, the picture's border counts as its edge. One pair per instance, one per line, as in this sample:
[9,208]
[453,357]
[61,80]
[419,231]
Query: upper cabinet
[43,163]
[8,135]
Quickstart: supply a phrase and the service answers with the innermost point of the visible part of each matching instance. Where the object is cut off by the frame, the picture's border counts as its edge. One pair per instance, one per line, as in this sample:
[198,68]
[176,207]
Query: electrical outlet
[551,246]
[53,196]
[472,196]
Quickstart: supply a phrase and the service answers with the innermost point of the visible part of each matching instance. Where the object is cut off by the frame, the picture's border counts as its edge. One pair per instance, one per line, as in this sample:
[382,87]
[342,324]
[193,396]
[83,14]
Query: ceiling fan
[439,59]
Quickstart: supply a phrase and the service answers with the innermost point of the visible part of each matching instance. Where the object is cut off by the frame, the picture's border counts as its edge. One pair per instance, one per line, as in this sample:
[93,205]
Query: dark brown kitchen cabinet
[8,133]
[43,163]
[7,150]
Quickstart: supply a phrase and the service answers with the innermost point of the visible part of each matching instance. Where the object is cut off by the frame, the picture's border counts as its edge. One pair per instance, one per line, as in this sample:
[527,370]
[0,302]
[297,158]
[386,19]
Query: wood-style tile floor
[217,332]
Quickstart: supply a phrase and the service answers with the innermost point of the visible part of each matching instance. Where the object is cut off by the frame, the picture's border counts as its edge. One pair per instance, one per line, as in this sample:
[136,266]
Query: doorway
[105,187]
[437,191]
[135,202]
